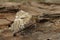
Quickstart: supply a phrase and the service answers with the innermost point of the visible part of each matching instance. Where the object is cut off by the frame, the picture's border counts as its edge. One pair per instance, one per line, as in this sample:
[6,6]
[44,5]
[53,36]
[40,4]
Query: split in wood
[53,16]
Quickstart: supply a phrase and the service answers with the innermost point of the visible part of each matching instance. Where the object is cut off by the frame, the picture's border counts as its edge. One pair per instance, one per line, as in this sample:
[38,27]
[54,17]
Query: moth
[22,18]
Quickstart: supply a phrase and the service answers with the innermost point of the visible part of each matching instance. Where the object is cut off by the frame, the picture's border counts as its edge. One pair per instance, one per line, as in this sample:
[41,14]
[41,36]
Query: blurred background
[19,0]
[48,1]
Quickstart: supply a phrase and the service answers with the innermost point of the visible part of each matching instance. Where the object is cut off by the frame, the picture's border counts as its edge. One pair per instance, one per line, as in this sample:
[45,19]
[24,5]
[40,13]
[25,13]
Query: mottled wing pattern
[21,19]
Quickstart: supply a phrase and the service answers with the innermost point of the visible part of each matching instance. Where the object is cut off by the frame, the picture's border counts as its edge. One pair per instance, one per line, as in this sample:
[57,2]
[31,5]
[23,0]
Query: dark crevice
[8,10]
[55,15]
[14,34]
[10,24]
[2,8]
[42,21]
[48,39]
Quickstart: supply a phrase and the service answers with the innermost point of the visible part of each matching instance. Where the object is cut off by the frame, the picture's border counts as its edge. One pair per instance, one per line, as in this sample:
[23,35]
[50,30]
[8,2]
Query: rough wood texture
[45,29]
